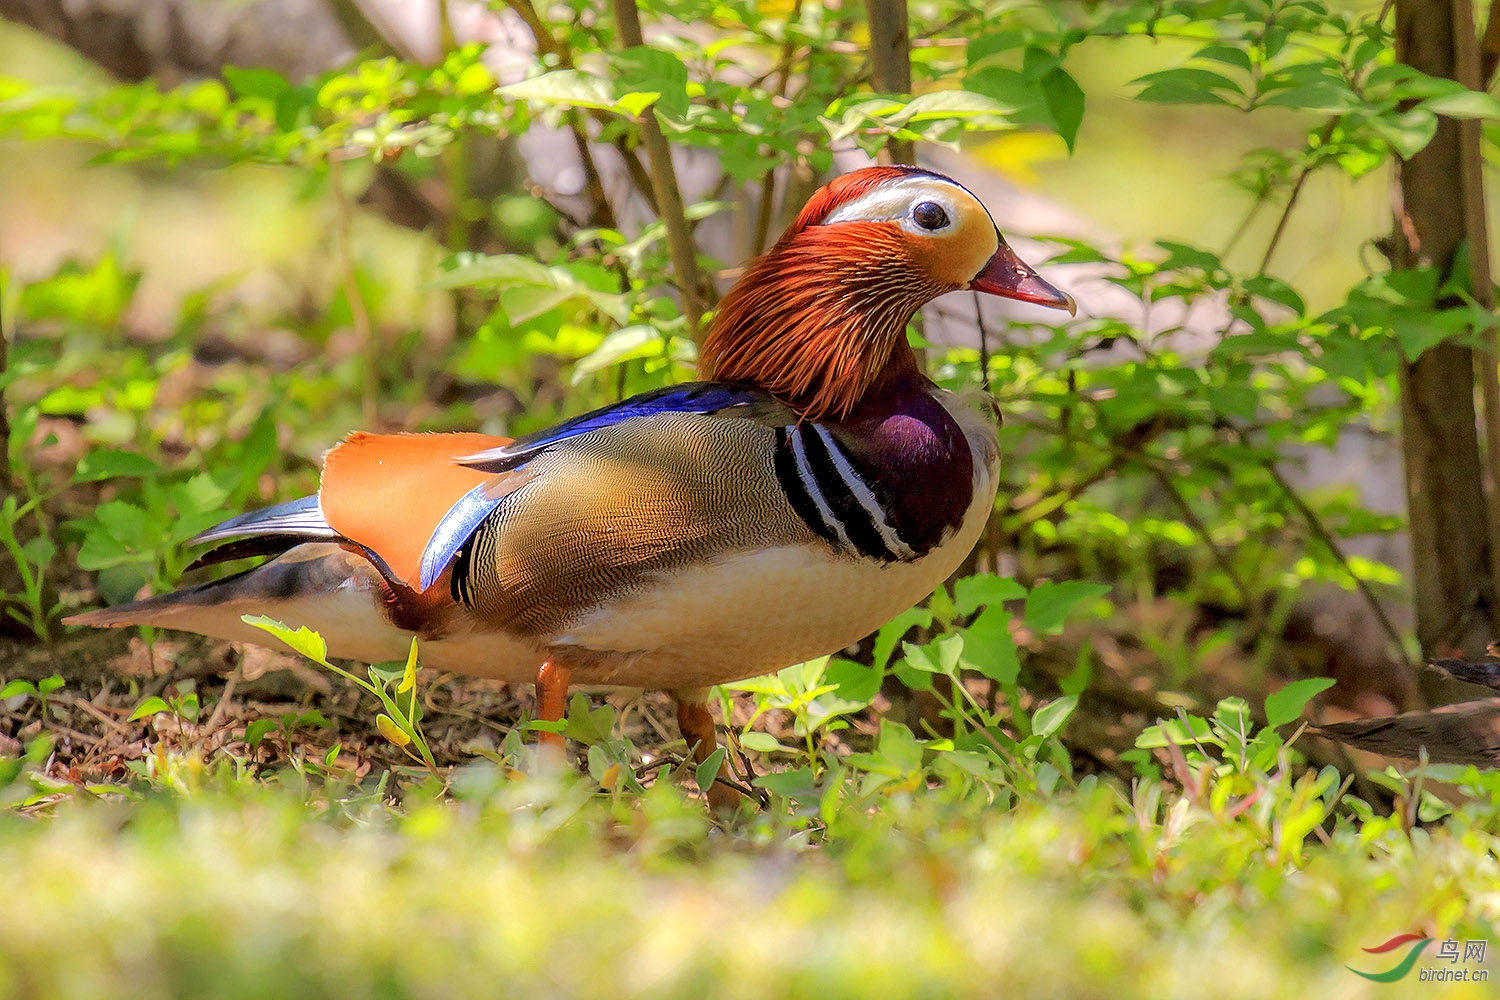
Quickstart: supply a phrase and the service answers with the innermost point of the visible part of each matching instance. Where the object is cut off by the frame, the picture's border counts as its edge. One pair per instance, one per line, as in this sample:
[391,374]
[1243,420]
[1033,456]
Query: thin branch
[1490,46]
[1033,512]
[783,73]
[365,33]
[1321,532]
[984,345]
[1254,616]
[1291,201]
[8,295]
[664,183]
[359,312]
[548,44]
[602,214]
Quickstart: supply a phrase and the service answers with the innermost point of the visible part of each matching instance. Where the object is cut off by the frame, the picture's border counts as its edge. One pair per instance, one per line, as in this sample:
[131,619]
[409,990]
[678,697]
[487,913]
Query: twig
[1033,512]
[365,33]
[1253,613]
[7,296]
[359,313]
[1490,46]
[1329,542]
[664,183]
[984,345]
[223,703]
[548,44]
[1291,201]
[783,74]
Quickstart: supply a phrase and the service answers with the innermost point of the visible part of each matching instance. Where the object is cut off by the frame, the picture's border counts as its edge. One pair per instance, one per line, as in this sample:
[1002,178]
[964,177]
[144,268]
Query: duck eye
[929,215]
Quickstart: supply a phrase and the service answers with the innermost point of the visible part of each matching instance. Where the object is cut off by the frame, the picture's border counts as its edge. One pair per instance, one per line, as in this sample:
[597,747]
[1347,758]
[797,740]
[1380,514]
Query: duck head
[822,315]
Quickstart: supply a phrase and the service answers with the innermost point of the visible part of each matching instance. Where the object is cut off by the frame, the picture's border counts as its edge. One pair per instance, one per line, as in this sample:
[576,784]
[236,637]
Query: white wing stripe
[866,499]
[810,483]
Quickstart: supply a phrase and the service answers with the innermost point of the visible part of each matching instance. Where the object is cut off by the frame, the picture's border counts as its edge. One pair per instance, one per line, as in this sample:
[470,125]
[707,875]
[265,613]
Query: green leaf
[1408,134]
[793,784]
[899,746]
[894,630]
[759,742]
[1049,604]
[632,104]
[707,771]
[1266,287]
[1286,705]
[257,730]
[17,687]
[941,104]
[1050,717]
[647,72]
[1064,102]
[304,640]
[1175,731]
[150,706]
[112,463]
[255,82]
[1186,86]
[854,682]
[626,344]
[528,288]
[989,647]
[1233,715]
[126,523]
[564,86]
[1227,54]
[1464,104]
[49,684]
[39,551]
[200,495]
[983,590]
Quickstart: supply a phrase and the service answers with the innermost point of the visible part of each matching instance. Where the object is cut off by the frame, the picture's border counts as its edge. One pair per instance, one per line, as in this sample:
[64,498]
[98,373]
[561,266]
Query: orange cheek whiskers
[816,319]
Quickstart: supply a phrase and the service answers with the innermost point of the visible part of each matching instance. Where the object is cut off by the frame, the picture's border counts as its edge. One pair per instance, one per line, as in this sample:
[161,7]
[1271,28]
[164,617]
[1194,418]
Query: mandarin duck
[813,486]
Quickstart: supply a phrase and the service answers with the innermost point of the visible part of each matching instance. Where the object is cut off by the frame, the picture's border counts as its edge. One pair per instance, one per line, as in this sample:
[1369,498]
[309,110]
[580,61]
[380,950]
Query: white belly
[754,612]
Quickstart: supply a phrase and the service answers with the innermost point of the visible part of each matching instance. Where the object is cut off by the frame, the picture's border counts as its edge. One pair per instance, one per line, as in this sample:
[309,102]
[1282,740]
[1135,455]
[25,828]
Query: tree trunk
[890,63]
[1444,473]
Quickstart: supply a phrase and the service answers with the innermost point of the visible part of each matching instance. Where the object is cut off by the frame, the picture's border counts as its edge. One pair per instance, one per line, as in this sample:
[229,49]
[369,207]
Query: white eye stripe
[893,201]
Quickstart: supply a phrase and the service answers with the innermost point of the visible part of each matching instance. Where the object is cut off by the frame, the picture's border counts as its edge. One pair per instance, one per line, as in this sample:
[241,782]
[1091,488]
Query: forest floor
[256,835]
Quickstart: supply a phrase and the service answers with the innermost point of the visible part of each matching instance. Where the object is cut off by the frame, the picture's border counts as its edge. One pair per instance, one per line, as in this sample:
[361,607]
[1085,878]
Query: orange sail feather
[389,491]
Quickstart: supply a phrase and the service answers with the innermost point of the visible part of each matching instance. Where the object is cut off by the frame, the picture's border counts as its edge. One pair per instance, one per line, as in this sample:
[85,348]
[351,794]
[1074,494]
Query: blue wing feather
[453,530]
[690,397]
[464,517]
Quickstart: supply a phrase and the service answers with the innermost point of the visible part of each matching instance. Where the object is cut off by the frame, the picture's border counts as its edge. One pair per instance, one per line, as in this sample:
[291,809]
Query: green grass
[200,880]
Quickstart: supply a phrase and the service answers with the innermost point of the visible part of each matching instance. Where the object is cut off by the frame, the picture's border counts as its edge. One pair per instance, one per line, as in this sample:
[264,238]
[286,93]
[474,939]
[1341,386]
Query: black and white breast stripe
[831,497]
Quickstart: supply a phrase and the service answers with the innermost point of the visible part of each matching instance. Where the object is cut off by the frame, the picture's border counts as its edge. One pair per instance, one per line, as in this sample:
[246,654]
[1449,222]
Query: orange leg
[696,724]
[552,701]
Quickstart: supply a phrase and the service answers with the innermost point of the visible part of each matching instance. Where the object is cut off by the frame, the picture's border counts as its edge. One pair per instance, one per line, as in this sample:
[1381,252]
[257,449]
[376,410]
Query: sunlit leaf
[1286,705]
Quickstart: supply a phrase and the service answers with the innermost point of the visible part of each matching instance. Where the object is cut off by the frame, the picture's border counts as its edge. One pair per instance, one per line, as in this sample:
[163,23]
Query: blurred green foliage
[889,873]
[1143,451]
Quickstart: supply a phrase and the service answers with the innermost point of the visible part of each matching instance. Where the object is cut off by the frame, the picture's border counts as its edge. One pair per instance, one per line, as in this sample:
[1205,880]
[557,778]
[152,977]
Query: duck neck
[819,330]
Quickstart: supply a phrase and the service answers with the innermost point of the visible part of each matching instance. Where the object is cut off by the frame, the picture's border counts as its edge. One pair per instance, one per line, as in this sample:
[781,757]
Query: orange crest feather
[816,319]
